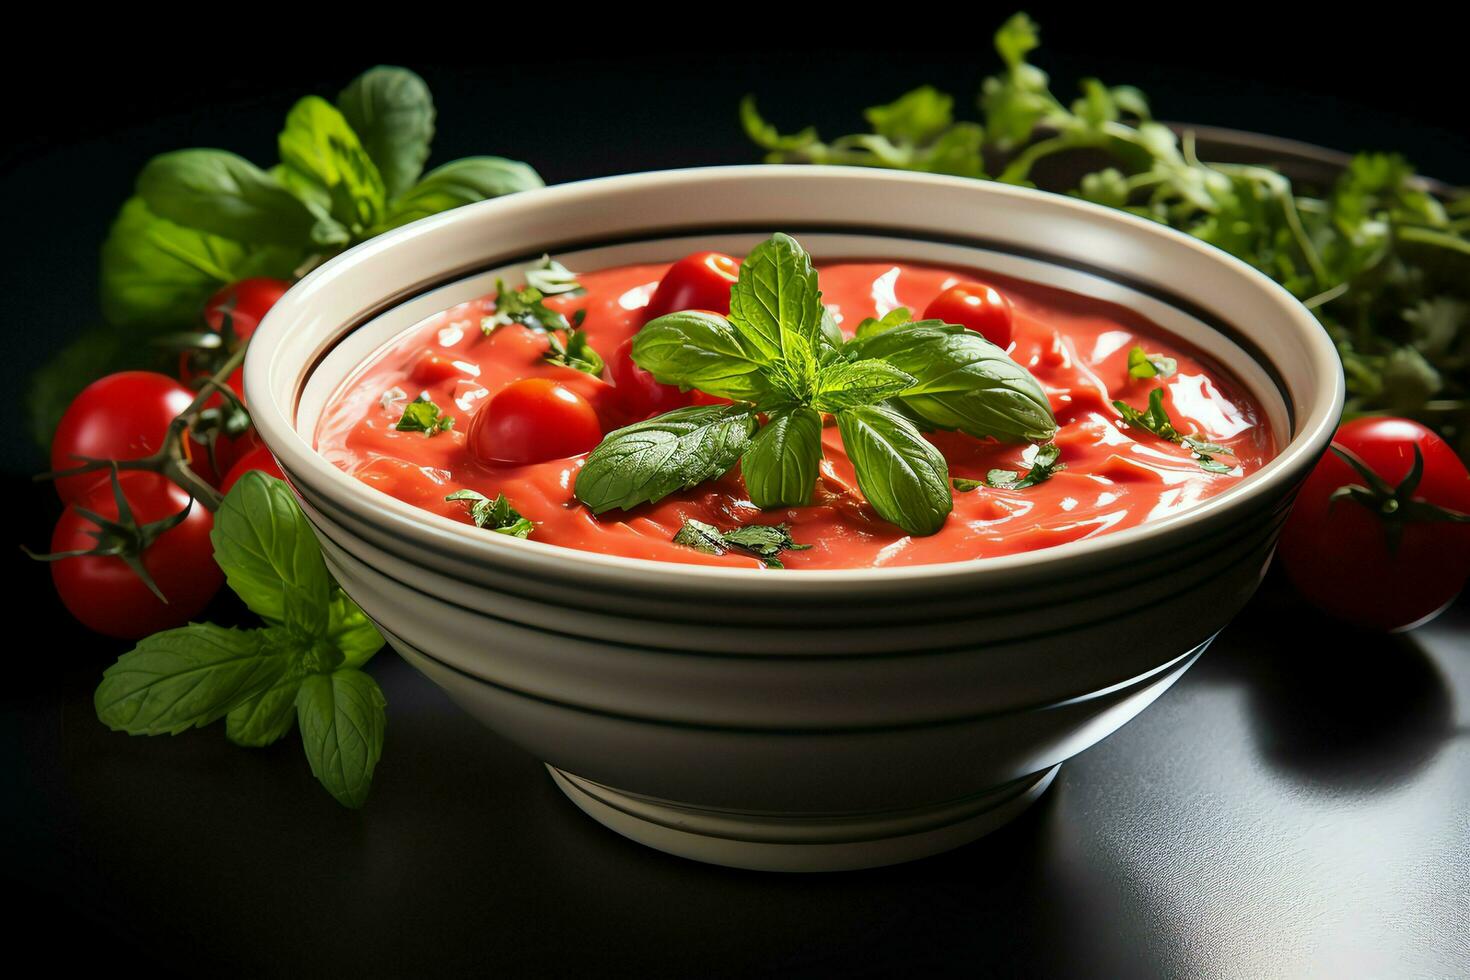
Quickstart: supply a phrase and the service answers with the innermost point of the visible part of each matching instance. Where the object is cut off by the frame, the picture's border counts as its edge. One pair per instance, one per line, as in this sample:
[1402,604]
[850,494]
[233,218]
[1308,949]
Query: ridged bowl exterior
[800,692]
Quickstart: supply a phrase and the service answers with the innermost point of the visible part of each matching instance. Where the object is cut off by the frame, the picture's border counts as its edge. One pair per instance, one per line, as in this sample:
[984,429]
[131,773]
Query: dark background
[1289,805]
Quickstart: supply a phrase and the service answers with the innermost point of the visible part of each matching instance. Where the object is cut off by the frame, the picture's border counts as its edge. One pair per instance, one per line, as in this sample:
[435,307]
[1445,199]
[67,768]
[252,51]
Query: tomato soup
[1114,475]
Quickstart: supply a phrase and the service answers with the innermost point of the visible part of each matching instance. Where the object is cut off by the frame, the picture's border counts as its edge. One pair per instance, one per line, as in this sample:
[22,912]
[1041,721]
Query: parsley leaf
[764,541]
[494,515]
[422,415]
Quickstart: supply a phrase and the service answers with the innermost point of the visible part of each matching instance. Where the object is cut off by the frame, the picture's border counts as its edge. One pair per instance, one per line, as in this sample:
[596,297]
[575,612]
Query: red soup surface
[1115,476]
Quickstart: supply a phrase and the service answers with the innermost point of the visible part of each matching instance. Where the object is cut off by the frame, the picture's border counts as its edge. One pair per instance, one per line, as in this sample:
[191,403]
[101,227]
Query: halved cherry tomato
[531,421]
[637,391]
[108,596]
[978,307]
[259,458]
[1388,557]
[121,416]
[247,302]
[700,281]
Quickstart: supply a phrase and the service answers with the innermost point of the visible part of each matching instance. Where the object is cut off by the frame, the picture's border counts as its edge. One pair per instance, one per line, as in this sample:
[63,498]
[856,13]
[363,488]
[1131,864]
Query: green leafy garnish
[525,307]
[573,352]
[422,415]
[567,343]
[553,279]
[1046,462]
[1381,262]
[764,541]
[1142,364]
[1156,420]
[494,515]
[781,359]
[303,665]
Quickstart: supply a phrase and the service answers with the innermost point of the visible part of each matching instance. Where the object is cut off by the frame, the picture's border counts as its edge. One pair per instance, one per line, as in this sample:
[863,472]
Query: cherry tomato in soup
[700,281]
[259,458]
[534,420]
[1392,554]
[108,596]
[637,391]
[247,303]
[976,306]
[121,416]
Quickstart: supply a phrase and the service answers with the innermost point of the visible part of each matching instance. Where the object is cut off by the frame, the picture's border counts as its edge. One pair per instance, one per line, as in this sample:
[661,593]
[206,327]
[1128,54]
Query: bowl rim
[302,463]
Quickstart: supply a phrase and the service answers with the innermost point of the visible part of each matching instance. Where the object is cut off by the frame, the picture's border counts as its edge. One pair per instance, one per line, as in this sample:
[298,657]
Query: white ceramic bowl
[808,719]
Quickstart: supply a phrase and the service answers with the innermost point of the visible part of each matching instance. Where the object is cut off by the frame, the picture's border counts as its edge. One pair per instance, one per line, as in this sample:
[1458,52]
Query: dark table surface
[1296,804]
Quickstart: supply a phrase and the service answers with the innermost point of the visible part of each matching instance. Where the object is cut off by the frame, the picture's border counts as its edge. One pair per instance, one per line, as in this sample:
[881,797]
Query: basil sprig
[781,359]
[303,667]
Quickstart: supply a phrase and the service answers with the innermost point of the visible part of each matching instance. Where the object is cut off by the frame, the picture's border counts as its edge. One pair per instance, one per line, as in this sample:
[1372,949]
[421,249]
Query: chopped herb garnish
[422,415]
[574,352]
[763,541]
[1043,465]
[965,485]
[551,278]
[523,306]
[1142,364]
[494,515]
[1156,420]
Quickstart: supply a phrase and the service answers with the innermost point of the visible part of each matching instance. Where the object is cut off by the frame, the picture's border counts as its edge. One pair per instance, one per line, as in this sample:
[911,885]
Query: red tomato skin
[107,596]
[121,416]
[700,281]
[1337,554]
[637,392]
[252,299]
[431,369]
[259,458]
[531,421]
[975,306]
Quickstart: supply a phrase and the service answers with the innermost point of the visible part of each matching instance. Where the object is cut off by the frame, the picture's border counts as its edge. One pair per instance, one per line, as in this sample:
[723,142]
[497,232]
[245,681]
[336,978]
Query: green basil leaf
[776,306]
[848,384]
[649,460]
[762,541]
[319,146]
[422,415]
[190,676]
[342,721]
[350,630]
[494,515]
[270,557]
[156,275]
[700,350]
[461,182]
[963,381]
[896,317]
[224,194]
[267,717]
[900,473]
[392,113]
[780,467]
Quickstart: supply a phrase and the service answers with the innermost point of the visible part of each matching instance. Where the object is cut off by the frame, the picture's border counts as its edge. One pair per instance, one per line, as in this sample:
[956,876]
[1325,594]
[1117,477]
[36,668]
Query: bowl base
[801,842]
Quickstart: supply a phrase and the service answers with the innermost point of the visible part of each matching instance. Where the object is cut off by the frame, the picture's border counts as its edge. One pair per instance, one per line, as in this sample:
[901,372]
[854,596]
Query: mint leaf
[265,718]
[962,381]
[187,677]
[270,556]
[494,515]
[848,384]
[319,146]
[224,194]
[780,466]
[342,721]
[458,183]
[392,113]
[903,476]
[422,415]
[776,307]
[763,541]
[1142,364]
[649,460]
[704,351]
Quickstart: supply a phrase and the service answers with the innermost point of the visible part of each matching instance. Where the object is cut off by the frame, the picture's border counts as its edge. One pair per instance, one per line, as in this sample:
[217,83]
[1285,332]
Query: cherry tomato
[431,369]
[700,281]
[121,416]
[104,593]
[978,307]
[248,301]
[1369,559]
[637,392]
[534,420]
[259,458]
